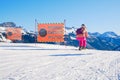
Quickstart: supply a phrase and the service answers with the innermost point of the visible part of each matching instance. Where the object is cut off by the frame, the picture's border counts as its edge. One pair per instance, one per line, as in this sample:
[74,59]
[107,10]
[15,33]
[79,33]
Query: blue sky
[98,15]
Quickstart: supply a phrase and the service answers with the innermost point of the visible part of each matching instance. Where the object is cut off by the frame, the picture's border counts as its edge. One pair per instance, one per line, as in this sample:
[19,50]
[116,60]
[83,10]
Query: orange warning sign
[53,32]
[14,33]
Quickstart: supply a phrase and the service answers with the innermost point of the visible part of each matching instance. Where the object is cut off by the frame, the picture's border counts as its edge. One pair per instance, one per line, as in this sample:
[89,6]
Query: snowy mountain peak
[109,34]
[69,30]
[94,34]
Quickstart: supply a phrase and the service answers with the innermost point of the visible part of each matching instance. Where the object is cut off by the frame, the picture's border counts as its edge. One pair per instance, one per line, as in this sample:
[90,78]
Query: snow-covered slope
[2,29]
[54,62]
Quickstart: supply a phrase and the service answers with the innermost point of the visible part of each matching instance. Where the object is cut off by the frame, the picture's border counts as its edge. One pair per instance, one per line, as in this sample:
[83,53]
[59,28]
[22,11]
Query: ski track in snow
[53,62]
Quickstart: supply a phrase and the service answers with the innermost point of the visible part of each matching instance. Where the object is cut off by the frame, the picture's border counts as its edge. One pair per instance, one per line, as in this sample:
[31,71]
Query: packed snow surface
[56,62]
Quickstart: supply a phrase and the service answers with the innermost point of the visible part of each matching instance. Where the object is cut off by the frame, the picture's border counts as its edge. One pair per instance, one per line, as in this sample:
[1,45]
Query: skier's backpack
[79,31]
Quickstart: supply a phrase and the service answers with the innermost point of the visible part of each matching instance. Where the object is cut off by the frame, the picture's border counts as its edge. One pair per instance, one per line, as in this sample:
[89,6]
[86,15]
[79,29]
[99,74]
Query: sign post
[14,33]
[50,32]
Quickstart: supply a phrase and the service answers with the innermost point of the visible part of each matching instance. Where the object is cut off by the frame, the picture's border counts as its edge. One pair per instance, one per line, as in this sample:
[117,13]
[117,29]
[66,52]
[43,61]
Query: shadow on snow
[70,54]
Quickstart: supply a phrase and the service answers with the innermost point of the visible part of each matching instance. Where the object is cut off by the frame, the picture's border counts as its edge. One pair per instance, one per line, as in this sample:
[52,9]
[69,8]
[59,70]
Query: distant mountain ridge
[8,24]
[109,34]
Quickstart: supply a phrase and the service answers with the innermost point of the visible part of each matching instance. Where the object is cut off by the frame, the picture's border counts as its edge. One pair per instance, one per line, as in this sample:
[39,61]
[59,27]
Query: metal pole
[64,30]
[35,32]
